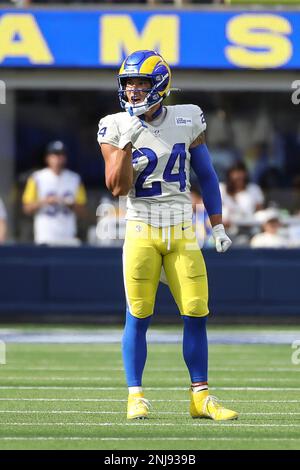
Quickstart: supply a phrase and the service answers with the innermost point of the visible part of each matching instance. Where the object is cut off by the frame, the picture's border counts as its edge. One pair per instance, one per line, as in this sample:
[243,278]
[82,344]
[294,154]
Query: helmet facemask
[152,97]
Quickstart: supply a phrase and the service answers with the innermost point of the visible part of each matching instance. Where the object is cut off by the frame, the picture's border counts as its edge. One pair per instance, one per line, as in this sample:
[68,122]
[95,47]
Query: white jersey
[160,194]
[53,223]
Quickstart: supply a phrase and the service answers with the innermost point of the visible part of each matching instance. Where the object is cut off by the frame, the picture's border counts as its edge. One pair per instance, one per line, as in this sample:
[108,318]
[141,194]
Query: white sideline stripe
[79,399]
[108,400]
[154,369]
[75,438]
[240,425]
[155,336]
[166,389]
[171,379]
[237,366]
[267,413]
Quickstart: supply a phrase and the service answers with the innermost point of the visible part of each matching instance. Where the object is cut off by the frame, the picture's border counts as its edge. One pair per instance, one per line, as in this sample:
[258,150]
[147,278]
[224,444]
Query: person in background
[3,224]
[20,3]
[295,195]
[270,237]
[241,199]
[55,196]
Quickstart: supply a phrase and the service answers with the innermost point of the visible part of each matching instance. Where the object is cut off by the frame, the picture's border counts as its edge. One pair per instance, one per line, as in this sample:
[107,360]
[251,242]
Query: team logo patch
[183,121]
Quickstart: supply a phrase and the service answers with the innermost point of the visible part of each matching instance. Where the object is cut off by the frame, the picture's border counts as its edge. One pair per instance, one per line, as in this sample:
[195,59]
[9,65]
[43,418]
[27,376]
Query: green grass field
[59,396]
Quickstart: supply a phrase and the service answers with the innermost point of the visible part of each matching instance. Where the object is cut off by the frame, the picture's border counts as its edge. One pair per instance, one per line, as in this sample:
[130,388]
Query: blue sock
[195,349]
[134,348]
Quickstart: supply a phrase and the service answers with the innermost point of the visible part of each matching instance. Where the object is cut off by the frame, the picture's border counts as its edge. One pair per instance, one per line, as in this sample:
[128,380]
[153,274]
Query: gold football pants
[146,250]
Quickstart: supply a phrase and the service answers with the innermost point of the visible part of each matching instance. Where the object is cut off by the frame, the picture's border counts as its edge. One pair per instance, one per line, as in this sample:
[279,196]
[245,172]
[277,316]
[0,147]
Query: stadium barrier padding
[88,281]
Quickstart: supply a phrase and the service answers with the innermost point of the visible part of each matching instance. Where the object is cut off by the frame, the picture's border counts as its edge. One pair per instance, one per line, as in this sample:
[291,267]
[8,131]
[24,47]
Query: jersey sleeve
[199,123]
[108,132]
[30,193]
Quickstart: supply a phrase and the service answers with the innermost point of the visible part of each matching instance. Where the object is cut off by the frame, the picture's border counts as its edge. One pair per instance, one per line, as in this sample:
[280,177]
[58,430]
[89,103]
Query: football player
[148,151]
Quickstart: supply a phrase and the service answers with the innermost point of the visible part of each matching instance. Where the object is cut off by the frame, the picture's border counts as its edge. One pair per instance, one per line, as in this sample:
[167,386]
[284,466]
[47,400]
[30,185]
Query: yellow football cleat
[137,407]
[204,405]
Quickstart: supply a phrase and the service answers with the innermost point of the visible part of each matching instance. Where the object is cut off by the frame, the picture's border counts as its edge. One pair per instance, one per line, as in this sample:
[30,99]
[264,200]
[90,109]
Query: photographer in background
[55,196]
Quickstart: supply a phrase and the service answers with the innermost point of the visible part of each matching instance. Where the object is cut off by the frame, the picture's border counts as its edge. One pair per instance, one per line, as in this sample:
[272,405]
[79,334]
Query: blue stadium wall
[86,281]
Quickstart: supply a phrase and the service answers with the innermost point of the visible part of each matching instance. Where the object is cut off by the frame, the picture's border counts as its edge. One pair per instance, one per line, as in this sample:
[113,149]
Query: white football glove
[131,131]
[223,242]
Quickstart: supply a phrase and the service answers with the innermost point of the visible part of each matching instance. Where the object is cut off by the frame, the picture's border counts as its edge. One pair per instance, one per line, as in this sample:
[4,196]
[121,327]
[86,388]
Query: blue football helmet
[150,65]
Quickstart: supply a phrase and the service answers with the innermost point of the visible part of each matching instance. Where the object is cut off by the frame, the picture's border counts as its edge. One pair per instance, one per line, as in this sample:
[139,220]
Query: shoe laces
[138,401]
